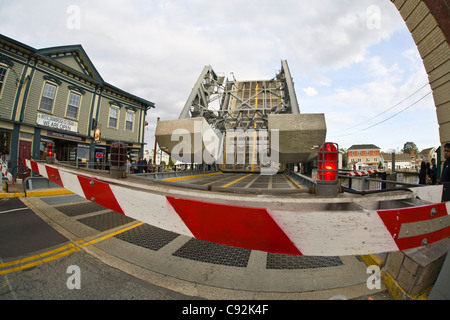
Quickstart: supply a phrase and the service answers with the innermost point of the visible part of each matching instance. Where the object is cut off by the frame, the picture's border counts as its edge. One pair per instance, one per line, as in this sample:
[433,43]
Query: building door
[24,153]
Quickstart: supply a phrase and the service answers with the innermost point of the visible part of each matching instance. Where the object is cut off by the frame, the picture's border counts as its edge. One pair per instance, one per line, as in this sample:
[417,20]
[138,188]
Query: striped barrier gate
[6,173]
[362,173]
[287,225]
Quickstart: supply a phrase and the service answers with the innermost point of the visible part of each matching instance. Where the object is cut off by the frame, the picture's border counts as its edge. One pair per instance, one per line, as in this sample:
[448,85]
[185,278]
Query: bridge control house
[54,102]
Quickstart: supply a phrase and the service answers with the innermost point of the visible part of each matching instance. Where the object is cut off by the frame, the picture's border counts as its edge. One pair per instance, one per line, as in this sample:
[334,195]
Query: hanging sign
[98,135]
[47,120]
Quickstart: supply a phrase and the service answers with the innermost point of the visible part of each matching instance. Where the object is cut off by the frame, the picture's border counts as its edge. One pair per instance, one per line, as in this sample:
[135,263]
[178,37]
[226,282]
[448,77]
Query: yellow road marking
[236,181]
[193,177]
[289,179]
[66,250]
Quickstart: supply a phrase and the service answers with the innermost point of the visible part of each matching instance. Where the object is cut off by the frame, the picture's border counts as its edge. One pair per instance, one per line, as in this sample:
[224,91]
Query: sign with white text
[47,120]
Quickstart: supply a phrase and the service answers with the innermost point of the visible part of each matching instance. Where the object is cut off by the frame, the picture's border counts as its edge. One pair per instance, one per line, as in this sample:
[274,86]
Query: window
[113,117]
[2,77]
[129,122]
[48,96]
[74,105]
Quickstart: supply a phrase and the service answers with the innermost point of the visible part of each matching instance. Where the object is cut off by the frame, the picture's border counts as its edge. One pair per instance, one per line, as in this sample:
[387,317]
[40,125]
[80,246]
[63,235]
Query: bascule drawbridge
[243,126]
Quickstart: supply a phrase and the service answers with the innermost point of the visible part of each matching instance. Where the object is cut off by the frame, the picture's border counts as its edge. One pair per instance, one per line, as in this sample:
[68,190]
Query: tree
[409,147]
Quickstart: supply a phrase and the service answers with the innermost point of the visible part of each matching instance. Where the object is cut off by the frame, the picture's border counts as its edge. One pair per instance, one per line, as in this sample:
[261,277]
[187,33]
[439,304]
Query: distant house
[426,155]
[408,161]
[158,157]
[363,155]
[402,161]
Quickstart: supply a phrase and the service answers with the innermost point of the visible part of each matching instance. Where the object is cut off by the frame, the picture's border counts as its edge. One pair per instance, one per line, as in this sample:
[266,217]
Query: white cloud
[310,92]
[322,80]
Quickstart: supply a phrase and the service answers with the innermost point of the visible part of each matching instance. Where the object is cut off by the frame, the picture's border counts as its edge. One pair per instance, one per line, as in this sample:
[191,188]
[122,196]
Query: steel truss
[228,104]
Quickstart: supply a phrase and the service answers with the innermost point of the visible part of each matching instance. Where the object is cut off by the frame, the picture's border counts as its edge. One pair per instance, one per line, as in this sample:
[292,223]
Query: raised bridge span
[243,126]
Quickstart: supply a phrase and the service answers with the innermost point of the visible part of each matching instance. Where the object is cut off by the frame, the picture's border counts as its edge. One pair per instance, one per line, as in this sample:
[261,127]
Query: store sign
[47,120]
[64,136]
[98,135]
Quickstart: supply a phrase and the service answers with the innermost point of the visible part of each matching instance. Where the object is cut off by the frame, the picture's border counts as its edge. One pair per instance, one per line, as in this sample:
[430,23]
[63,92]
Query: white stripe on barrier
[151,208]
[6,173]
[331,233]
[432,194]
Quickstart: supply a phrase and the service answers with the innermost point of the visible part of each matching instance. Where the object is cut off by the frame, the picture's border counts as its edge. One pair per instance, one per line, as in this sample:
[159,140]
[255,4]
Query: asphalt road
[76,276]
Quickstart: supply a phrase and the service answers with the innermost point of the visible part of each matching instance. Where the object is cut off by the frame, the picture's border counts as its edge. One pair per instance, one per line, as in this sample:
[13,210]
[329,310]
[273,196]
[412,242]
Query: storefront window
[83,154]
[100,158]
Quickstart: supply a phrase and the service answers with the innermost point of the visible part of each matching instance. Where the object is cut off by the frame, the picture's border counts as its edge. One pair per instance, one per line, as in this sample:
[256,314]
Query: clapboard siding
[119,133]
[60,103]
[8,93]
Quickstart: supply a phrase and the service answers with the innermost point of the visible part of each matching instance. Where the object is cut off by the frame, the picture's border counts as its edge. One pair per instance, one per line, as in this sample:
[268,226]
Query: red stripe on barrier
[393,220]
[53,176]
[243,227]
[418,241]
[100,193]
[35,167]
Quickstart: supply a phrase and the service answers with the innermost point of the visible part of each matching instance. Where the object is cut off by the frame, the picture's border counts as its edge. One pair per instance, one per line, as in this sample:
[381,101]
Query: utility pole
[154,150]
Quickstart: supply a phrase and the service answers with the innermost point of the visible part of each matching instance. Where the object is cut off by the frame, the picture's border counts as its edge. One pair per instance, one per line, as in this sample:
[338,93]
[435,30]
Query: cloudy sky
[353,60]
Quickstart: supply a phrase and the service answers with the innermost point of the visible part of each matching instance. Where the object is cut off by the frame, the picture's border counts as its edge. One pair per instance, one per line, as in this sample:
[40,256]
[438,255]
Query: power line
[385,110]
[383,121]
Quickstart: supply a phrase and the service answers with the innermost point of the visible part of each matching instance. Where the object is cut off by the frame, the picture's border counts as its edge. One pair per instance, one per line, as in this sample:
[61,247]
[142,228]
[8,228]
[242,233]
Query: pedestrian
[445,176]
[128,169]
[140,165]
[433,172]
[150,166]
[423,173]
[144,165]
[428,177]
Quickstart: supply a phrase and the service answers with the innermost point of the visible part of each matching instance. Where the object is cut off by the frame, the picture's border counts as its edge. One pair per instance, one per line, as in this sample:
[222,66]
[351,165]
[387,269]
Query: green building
[53,100]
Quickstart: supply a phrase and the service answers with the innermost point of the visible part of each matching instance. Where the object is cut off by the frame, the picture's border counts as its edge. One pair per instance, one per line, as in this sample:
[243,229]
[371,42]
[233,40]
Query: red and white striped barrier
[6,173]
[288,225]
[362,173]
